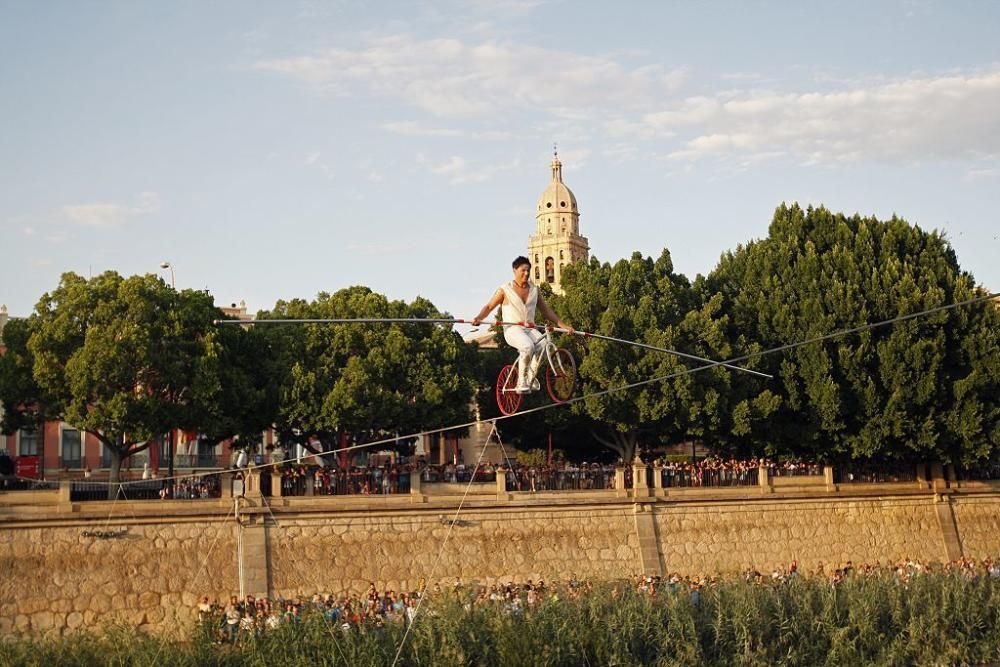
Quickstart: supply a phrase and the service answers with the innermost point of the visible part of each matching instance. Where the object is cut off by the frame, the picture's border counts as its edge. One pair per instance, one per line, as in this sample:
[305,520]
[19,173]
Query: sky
[276,150]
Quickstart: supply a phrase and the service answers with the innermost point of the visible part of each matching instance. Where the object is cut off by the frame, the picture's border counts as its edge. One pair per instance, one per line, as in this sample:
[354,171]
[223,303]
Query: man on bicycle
[518,300]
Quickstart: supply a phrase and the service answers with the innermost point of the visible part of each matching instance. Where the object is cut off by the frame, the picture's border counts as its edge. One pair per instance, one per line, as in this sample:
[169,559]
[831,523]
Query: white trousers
[527,342]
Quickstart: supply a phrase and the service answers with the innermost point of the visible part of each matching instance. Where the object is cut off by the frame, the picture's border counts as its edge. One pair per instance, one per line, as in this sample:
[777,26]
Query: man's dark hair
[519,260]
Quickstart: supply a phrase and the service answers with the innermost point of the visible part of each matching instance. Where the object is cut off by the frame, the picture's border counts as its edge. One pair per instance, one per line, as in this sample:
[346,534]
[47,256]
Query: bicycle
[560,376]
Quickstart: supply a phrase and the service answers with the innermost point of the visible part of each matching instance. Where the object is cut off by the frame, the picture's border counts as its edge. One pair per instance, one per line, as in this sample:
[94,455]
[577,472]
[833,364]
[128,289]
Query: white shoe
[535,385]
[522,389]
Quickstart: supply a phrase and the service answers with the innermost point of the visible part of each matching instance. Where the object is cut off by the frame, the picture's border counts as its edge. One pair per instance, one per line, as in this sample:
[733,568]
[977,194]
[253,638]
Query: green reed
[931,619]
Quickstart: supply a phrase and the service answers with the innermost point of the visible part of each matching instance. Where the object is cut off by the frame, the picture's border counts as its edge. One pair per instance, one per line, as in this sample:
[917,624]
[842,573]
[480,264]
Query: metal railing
[148,489]
[342,482]
[25,484]
[560,479]
[194,488]
[874,473]
[688,477]
[982,472]
[796,470]
[455,474]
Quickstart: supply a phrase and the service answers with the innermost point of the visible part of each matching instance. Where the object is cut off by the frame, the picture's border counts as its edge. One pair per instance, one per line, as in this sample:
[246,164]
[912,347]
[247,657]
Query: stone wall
[978,521]
[721,537]
[148,574]
[146,564]
[396,552]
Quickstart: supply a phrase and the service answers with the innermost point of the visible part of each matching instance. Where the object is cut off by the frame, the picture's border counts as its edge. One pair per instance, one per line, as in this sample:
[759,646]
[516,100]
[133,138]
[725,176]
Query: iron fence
[686,477]
[142,490]
[874,473]
[560,479]
[26,484]
[456,474]
[795,470]
[985,472]
[344,482]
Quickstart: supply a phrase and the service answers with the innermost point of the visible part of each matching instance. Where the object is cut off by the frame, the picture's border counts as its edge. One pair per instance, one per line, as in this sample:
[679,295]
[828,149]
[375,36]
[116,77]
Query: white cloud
[982,173]
[504,7]
[314,160]
[459,172]
[454,165]
[575,158]
[945,117]
[587,98]
[108,214]
[450,78]
[411,128]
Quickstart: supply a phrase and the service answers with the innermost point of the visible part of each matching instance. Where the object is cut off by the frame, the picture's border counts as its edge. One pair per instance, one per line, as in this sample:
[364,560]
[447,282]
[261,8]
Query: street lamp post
[173,431]
[168,265]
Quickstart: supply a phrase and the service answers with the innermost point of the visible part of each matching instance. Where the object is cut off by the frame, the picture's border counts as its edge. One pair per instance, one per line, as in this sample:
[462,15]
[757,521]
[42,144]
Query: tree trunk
[624,444]
[115,473]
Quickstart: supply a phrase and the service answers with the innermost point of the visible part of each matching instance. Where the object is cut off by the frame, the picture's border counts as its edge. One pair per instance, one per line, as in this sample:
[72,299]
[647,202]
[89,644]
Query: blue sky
[276,150]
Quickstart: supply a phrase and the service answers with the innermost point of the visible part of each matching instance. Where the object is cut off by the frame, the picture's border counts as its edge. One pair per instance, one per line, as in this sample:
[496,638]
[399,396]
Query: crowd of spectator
[191,488]
[561,476]
[711,471]
[395,477]
[902,571]
[238,620]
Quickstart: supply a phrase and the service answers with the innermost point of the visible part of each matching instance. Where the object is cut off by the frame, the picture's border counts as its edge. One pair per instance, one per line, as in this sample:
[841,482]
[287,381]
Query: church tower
[556,241]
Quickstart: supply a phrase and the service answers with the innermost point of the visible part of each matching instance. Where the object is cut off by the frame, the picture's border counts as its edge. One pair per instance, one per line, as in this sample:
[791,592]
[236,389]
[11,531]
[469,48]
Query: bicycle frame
[548,348]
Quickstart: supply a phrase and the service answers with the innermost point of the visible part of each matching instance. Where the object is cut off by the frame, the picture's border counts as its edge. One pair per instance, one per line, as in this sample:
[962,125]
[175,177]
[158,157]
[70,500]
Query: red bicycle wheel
[508,400]
[561,382]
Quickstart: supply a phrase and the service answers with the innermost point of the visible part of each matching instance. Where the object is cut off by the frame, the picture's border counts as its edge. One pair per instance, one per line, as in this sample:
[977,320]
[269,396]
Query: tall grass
[932,619]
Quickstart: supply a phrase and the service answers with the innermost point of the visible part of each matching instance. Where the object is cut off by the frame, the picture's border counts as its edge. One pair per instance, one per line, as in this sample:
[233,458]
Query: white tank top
[515,310]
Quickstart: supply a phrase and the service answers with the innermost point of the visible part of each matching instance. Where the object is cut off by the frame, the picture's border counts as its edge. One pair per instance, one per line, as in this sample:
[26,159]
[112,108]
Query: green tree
[644,300]
[124,359]
[925,388]
[244,399]
[23,403]
[366,379]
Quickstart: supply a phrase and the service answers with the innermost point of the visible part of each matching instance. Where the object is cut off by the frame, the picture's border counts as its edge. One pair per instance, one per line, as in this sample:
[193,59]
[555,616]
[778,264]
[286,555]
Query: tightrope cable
[527,325]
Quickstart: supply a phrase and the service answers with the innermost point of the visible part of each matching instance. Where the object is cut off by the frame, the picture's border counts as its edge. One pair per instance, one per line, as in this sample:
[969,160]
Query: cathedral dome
[557,198]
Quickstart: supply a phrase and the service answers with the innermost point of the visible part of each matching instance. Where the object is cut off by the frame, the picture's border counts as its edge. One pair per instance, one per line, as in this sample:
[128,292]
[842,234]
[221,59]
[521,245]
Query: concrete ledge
[458,489]
[485,496]
[35,497]
[800,481]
